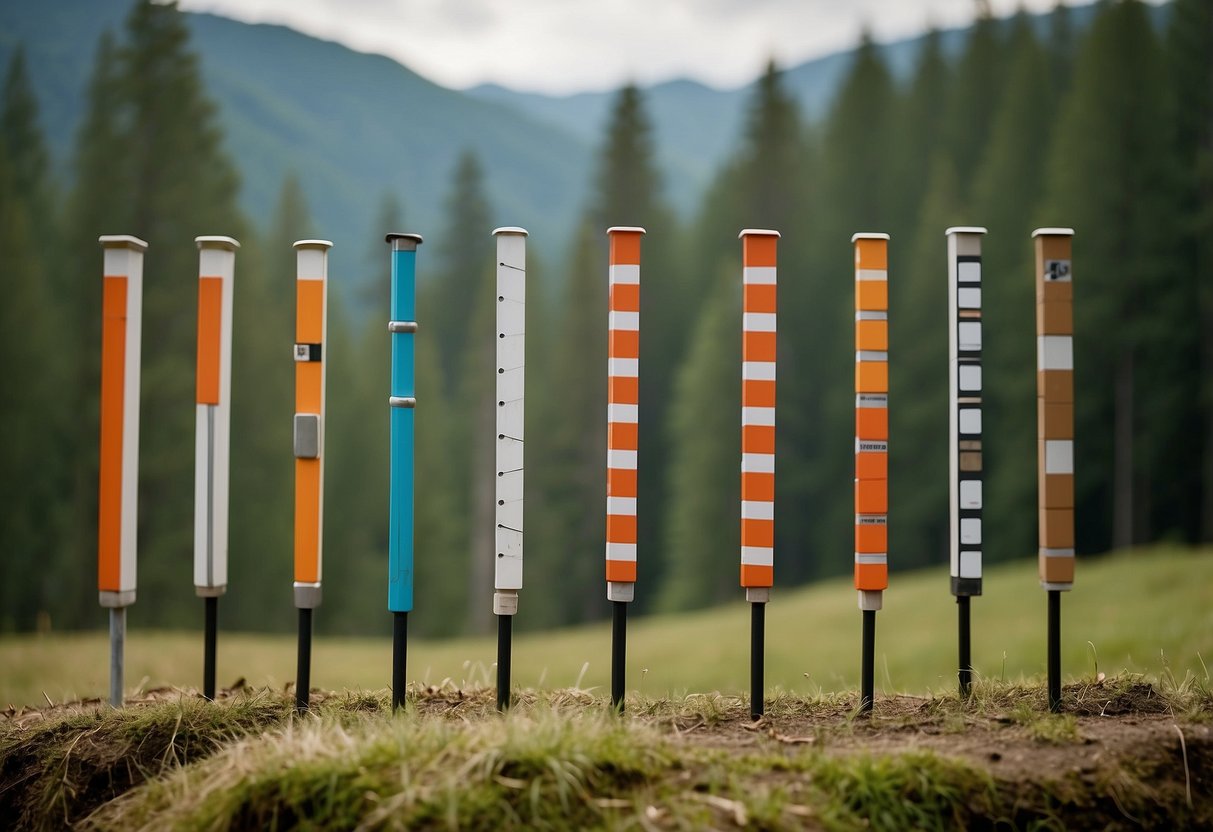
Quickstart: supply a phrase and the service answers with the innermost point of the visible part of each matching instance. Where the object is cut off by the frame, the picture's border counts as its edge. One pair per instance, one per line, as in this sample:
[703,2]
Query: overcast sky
[564,46]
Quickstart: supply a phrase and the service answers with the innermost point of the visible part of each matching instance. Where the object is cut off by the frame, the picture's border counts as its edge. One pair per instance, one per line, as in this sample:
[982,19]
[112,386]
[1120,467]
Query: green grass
[1148,611]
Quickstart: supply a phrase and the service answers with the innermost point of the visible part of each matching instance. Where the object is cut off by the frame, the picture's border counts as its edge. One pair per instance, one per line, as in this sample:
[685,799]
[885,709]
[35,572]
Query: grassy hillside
[1148,611]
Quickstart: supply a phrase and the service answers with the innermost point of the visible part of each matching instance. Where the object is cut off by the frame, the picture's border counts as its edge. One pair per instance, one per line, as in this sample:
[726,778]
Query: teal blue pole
[402,328]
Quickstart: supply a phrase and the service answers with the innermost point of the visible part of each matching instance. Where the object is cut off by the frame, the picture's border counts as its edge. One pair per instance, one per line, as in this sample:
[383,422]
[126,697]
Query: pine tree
[974,96]
[1111,177]
[919,135]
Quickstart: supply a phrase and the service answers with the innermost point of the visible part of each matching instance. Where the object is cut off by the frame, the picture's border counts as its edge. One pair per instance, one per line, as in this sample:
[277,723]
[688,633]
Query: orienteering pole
[871,442]
[212,435]
[118,514]
[758,256]
[311,286]
[511,367]
[964,445]
[623,401]
[1055,431]
[402,328]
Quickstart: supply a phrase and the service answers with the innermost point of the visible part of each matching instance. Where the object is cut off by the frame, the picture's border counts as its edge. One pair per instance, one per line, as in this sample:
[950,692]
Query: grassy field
[1148,611]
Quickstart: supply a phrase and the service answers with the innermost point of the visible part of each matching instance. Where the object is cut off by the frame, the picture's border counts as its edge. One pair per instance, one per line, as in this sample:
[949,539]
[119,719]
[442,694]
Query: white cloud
[572,45]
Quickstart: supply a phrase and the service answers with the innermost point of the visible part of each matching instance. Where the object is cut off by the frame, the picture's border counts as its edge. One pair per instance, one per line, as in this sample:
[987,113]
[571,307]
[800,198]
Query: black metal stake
[303,673]
[867,675]
[1054,650]
[757,652]
[208,646]
[400,647]
[619,649]
[504,634]
[964,644]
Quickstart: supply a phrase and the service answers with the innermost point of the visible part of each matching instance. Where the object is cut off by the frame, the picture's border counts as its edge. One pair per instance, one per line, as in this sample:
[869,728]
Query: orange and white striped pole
[1055,430]
[118,495]
[623,406]
[311,313]
[964,442]
[871,441]
[212,435]
[758,279]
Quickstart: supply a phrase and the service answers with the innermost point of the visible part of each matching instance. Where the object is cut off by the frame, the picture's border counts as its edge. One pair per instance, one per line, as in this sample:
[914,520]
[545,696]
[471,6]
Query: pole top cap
[400,241]
[965,229]
[1053,232]
[758,232]
[228,243]
[510,229]
[321,244]
[122,241]
[869,235]
[625,229]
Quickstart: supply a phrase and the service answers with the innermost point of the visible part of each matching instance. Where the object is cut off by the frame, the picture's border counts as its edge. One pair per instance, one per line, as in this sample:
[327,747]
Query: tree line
[1108,130]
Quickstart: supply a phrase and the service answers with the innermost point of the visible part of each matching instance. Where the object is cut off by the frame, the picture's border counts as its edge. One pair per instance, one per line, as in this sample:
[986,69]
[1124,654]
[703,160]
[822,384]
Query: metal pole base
[757,652]
[619,649]
[400,646]
[208,646]
[303,673]
[964,645]
[1054,650]
[117,655]
[867,676]
[505,624]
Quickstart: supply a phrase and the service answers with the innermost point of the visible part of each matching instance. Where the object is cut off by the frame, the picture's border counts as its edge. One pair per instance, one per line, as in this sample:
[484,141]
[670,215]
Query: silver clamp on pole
[401,326]
[402,401]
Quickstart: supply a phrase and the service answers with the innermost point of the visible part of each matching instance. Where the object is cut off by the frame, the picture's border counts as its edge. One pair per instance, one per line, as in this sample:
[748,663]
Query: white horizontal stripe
[624,273]
[758,463]
[869,315]
[866,557]
[757,510]
[621,505]
[1055,352]
[867,274]
[626,367]
[757,555]
[871,355]
[629,413]
[871,446]
[872,400]
[756,274]
[621,459]
[1057,553]
[871,520]
[758,416]
[1059,456]
[624,320]
[620,551]
[758,370]
[758,321]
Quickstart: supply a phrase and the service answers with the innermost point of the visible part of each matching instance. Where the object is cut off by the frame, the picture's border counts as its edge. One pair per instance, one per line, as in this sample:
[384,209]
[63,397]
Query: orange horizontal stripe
[756,487]
[623,390]
[113,401]
[210,324]
[308,378]
[872,377]
[757,576]
[621,528]
[758,249]
[757,532]
[872,423]
[872,466]
[872,335]
[871,539]
[309,311]
[758,439]
[307,520]
[759,297]
[871,576]
[872,254]
[871,496]
[757,393]
[758,346]
[625,248]
[623,343]
[872,295]
[621,571]
[625,297]
[622,436]
[621,482]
